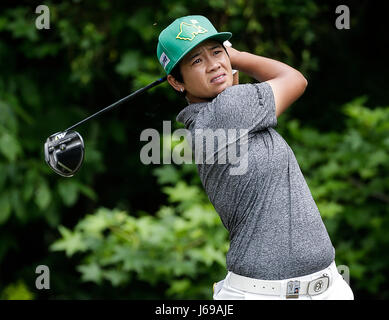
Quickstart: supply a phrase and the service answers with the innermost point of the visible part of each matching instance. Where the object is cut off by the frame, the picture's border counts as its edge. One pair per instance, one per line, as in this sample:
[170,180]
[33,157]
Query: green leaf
[5,208]
[68,191]
[3,23]
[329,209]
[116,277]
[132,260]
[129,63]
[21,25]
[87,191]
[182,192]
[28,191]
[3,175]
[9,146]
[91,272]
[166,174]
[71,242]
[179,286]
[18,205]
[17,291]
[94,224]
[378,157]
[43,195]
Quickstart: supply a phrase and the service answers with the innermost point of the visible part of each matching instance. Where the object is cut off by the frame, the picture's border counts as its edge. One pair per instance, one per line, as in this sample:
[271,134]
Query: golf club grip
[125,99]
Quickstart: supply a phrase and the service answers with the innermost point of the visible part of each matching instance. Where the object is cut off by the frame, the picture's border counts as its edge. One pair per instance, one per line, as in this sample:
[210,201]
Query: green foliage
[27,192]
[17,291]
[182,246]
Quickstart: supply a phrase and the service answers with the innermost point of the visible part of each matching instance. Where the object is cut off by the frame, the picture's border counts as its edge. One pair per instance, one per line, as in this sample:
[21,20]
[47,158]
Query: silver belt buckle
[318,285]
[293,289]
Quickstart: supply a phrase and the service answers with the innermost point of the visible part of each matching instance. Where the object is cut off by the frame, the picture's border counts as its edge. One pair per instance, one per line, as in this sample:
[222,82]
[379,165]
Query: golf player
[279,246]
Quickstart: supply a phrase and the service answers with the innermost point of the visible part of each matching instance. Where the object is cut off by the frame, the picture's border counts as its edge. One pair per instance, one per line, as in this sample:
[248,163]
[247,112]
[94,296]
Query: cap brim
[220,36]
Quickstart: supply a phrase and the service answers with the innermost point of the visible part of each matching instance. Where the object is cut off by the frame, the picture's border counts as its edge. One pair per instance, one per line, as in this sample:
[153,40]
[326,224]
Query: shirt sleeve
[247,106]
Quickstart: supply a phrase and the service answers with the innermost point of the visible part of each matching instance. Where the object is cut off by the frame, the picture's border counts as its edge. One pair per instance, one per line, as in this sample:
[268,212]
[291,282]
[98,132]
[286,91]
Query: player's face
[206,71]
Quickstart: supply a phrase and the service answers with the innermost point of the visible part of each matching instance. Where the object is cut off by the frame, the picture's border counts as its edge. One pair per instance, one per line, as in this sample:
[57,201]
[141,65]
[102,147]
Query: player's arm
[288,84]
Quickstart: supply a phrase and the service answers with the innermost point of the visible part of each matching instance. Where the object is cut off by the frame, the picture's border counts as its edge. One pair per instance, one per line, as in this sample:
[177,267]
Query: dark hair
[176,73]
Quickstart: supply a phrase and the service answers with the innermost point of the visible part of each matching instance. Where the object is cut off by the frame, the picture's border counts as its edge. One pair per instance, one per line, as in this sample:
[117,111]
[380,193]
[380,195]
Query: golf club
[64,150]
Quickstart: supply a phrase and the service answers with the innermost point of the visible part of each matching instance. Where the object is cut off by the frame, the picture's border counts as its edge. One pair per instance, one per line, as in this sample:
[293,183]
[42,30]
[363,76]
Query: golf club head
[64,152]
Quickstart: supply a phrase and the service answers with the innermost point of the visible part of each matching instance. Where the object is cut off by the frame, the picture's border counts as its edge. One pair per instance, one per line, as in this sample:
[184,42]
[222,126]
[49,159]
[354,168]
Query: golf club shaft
[125,99]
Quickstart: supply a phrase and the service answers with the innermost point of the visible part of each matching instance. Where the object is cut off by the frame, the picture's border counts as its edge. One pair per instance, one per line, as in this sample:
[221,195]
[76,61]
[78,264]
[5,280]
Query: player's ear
[175,83]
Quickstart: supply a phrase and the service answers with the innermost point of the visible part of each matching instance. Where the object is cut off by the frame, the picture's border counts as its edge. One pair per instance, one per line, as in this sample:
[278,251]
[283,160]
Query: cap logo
[188,31]
[164,60]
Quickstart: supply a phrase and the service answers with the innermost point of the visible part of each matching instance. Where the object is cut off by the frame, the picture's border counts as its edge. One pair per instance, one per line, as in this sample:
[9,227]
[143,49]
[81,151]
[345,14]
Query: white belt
[312,284]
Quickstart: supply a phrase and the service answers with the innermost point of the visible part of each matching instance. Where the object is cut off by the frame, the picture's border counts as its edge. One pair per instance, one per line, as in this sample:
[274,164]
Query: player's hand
[234,56]
[232,52]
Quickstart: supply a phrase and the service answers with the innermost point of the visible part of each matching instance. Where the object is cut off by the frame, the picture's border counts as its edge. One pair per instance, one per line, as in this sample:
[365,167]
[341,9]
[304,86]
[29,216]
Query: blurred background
[120,229]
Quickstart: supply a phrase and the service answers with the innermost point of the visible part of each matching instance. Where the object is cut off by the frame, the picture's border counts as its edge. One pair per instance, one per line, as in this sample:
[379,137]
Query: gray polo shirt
[275,228]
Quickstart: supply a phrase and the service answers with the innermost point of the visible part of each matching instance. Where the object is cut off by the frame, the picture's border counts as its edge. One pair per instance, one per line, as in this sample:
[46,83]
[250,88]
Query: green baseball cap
[182,35]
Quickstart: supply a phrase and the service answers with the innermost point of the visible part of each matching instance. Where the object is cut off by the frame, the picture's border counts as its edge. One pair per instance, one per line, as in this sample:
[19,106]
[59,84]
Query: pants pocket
[222,291]
[217,286]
